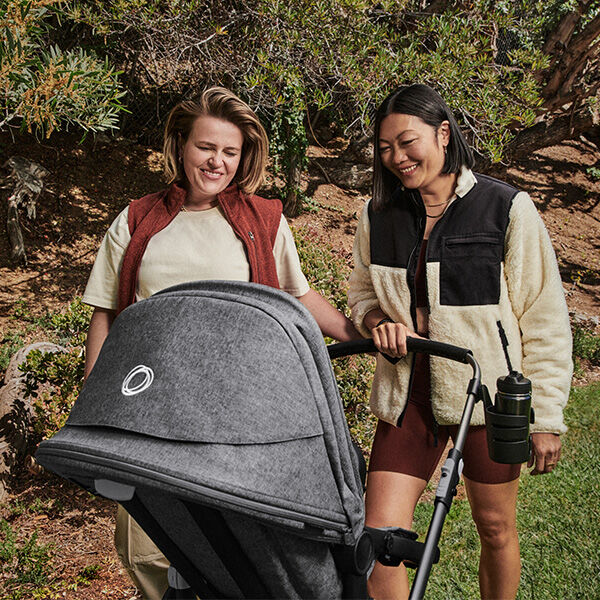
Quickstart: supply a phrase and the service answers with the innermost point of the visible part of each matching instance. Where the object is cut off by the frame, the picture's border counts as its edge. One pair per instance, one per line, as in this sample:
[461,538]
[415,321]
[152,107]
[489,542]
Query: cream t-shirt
[196,245]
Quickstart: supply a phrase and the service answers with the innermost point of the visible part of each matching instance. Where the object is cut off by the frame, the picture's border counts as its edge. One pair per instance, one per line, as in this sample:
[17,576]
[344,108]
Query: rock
[359,151]
[352,177]
[585,320]
[16,412]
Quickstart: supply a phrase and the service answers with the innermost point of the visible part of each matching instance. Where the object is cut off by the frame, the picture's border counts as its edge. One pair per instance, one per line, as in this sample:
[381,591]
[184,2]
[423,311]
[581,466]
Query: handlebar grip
[449,351]
[413,345]
[363,346]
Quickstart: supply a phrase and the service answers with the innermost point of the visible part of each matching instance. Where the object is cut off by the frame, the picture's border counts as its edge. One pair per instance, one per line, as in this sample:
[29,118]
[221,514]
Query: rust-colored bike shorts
[411,449]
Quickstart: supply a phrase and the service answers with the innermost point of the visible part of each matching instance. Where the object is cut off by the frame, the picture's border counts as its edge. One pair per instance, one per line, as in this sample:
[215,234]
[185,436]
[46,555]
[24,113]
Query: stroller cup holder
[507,421]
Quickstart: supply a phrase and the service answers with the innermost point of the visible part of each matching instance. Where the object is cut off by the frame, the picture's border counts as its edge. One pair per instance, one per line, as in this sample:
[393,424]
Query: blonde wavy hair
[223,104]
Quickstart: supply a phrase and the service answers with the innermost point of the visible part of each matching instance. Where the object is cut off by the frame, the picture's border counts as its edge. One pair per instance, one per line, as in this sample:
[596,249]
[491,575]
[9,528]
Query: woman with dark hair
[462,258]
[208,224]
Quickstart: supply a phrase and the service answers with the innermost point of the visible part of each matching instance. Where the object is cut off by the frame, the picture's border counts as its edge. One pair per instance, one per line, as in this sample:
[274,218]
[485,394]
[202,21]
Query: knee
[495,530]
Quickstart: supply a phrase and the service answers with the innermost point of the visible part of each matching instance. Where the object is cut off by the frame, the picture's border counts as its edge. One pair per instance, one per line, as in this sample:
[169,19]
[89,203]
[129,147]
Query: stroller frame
[453,465]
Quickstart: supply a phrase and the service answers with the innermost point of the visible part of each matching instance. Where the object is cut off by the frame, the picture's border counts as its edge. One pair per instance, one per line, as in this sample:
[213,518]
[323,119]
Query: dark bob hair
[424,102]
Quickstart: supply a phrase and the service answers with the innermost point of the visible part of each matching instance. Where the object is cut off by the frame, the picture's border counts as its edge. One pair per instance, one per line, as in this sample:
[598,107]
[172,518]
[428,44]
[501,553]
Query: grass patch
[557,521]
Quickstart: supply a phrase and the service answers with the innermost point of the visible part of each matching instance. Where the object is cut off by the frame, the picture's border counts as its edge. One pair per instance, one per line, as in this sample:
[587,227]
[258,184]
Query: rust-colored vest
[255,221]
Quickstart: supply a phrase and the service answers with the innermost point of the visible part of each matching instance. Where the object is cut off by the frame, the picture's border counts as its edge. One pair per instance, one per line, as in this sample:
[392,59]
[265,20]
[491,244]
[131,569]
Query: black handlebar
[412,344]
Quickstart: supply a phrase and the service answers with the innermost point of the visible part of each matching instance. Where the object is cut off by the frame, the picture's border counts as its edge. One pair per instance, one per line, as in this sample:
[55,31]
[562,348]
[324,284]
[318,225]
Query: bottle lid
[514,383]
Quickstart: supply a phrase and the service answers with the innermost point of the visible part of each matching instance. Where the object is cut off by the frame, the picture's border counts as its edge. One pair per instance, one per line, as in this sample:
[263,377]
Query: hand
[390,339]
[546,452]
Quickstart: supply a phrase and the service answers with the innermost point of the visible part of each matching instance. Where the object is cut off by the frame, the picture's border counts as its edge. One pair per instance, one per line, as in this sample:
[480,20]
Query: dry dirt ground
[91,182]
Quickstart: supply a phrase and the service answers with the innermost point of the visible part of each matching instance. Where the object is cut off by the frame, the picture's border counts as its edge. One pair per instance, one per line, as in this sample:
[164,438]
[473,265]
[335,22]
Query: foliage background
[502,66]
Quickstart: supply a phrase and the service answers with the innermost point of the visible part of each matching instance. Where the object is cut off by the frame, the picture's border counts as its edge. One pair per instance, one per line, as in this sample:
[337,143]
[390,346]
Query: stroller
[213,416]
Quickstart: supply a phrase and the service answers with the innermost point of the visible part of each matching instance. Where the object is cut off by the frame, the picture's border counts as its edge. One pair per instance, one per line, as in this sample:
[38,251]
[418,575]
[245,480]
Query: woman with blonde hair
[208,224]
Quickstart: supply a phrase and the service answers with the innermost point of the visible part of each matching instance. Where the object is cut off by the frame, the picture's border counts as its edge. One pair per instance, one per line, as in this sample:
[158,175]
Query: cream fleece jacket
[531,308]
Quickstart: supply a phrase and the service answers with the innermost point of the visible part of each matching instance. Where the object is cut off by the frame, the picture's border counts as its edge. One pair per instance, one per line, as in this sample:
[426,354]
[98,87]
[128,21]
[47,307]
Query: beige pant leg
[144,562]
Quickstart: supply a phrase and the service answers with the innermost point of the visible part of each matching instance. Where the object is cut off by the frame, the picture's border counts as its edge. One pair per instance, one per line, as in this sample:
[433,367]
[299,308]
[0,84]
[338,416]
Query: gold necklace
[432,205]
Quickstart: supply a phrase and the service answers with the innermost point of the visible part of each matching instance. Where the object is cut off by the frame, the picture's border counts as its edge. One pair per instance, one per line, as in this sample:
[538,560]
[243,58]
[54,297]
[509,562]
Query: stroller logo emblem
[144,377]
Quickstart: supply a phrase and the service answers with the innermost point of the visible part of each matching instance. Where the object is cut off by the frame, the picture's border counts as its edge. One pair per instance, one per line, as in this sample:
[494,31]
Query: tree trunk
[552,132]
[28,178]
[292,204]
[559,38]
[573,55]
[17,245]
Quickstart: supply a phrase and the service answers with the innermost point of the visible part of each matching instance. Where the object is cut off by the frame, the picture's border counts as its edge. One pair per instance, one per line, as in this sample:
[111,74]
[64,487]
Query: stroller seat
[213,416]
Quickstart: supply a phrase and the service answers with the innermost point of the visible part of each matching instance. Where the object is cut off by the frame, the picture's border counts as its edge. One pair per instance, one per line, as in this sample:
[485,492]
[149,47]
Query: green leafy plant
[54,380]
[71,325]
[594,173]
[338,59]
[289,143]
[9,344]
[67,327]
[27,562]
[88,574]
[45,88]
[586,346]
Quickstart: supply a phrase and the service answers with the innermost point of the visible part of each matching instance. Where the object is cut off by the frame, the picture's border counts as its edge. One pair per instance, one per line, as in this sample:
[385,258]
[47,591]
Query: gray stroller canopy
[221,395]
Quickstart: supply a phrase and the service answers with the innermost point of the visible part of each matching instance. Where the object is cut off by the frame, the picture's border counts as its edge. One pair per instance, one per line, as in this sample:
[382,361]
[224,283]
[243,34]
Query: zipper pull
[251,235]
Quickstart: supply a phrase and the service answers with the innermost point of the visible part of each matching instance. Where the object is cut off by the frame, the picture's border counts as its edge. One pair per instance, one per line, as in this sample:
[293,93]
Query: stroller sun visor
[221,393]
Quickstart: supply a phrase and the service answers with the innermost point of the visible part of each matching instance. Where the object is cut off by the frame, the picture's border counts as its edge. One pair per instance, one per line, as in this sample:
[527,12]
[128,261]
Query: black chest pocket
[470,269]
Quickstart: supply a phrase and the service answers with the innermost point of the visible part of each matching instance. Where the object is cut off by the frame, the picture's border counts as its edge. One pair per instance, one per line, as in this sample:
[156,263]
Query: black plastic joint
[474,388]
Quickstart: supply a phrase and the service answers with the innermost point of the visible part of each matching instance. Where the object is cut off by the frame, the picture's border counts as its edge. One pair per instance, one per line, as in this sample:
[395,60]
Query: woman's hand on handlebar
[388,337]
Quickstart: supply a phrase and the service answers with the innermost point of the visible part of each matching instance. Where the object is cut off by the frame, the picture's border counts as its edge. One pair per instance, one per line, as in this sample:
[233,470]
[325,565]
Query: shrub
[45,88]
[586,346]
[26,562]
[332,58]
[9,345]
[54,380]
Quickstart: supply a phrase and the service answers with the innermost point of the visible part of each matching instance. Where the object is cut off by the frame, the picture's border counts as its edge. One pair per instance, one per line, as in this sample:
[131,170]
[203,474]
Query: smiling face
[211,156]
[412,150]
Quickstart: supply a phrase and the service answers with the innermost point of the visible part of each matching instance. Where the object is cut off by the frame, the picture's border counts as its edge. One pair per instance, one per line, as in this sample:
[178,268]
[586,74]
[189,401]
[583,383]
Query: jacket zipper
[413,310]
[410,280]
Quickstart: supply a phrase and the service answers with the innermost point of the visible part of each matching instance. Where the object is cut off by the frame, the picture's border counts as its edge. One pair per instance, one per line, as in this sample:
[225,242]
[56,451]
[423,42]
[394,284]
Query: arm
[100,323]
[332,322]
[538,302]
[389,337]
[362,298]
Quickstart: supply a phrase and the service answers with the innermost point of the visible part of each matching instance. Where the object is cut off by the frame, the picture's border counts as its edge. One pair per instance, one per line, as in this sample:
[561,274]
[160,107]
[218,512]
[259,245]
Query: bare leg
[390,502]
[494,509]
